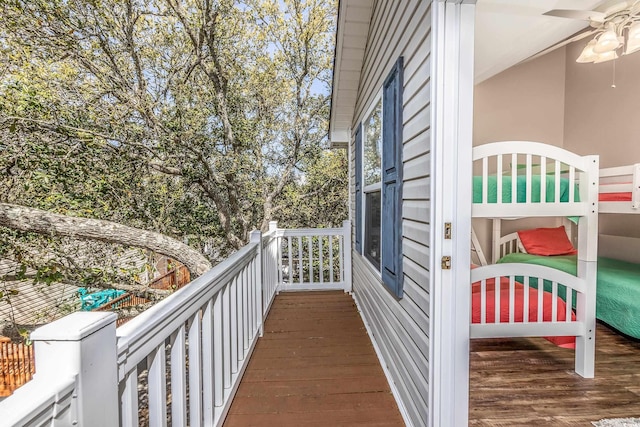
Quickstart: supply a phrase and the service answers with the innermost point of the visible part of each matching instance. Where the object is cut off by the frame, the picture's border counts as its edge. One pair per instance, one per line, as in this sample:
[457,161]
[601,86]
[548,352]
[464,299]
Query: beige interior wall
[525,103]
[600,119]
[603,120]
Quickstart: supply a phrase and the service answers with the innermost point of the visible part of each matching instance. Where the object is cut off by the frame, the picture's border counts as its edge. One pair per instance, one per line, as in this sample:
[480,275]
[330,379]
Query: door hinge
[447,230]
[446,262]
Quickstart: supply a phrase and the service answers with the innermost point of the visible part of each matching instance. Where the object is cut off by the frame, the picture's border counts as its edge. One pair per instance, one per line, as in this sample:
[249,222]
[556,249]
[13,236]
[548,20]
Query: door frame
[452,58]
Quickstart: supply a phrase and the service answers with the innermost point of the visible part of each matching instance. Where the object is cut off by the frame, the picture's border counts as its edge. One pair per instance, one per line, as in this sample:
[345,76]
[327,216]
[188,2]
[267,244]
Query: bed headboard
[619,247]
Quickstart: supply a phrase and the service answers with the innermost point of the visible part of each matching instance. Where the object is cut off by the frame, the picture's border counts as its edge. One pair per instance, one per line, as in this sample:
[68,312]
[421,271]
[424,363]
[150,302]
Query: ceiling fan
[615,26]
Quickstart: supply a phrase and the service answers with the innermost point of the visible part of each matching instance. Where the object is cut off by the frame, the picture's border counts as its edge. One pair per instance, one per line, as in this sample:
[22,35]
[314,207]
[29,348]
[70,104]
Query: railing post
[346,225]
[256,237]
[273,225]
[278,257]
[83,345]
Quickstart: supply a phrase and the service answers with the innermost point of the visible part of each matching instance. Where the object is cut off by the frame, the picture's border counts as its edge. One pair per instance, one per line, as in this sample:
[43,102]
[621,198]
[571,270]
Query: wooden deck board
[315,366]
[529,381]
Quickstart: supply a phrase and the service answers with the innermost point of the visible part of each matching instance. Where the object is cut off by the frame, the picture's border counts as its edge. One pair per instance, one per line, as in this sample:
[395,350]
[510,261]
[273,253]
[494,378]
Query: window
[372,176]
[378,183]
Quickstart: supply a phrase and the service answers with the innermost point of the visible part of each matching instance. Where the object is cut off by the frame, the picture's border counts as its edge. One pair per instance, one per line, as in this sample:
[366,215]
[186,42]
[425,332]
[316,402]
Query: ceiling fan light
[607,42]
[606,56]
[588,55]
[634,31]
[633,45]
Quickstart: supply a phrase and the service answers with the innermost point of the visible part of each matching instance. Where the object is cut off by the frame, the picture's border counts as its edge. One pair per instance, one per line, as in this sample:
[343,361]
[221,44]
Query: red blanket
[615,197]
[519,289]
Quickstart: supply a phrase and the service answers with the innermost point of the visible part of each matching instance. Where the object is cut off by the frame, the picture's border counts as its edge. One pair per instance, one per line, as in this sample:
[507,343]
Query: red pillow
[547,241]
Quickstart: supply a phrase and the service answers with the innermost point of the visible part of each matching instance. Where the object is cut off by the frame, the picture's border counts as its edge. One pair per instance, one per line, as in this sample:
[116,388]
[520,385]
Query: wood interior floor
[315,366]
[530,382]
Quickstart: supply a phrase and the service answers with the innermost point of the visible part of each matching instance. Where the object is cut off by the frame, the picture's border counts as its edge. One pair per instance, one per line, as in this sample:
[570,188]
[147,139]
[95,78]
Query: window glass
[372,228]
[373,146]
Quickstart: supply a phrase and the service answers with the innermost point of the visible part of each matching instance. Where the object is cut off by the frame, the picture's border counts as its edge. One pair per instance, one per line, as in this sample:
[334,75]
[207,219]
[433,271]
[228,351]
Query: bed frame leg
[585,354]
[586,313]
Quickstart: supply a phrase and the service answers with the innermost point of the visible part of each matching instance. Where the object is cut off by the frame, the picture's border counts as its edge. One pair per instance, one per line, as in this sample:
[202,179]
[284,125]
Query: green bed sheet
[521,189]
[618,288]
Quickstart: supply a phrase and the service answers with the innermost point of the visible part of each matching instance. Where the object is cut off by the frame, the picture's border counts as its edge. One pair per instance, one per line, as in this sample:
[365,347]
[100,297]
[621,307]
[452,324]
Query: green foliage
[191,118]
[319,198]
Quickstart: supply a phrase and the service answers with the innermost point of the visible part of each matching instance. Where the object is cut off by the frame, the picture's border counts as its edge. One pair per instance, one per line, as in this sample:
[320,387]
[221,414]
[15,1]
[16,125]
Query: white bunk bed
[620,189]
[518,179]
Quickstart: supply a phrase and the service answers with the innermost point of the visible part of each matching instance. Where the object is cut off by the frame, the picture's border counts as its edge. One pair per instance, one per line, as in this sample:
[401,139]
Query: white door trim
[452,118]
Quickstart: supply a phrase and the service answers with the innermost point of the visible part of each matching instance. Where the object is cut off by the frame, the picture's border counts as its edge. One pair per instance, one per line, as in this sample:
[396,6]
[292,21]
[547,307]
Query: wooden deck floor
[315,366]
[526,382]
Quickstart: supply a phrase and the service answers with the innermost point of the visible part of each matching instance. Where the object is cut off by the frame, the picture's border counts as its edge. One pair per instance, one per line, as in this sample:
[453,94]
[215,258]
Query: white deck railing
[314,258]
[181,361]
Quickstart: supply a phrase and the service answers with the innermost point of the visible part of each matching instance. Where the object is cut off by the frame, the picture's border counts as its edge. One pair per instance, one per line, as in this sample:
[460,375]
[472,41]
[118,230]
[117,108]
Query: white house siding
[400,328]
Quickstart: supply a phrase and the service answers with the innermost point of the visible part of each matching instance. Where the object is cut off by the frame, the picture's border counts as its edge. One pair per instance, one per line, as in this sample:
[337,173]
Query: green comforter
[618,288]
[521,189]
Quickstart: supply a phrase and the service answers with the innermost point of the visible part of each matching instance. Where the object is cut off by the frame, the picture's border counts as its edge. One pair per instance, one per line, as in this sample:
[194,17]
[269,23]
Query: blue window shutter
[358,185]
[391,232]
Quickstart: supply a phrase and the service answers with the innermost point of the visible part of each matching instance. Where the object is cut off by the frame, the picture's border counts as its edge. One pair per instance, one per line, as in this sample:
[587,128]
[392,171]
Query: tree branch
[43,222]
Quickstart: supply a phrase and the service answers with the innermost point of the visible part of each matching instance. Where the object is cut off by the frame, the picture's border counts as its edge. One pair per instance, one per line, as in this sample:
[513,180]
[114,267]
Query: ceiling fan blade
[565,42]
[584,15]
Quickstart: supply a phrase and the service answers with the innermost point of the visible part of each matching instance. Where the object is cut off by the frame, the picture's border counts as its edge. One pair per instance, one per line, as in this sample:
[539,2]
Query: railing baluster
[525,304]
[543,179]
[290,278]
[129,400]
[483,301]
[300,266]
[218,349]
[496,293]
[554,301]
[514,178]
[233,305]
[572,184]
[540,299]
[512,296]
[241,327]
[157,384]
[528,183]
[245,309]
[485,179]
[279,255]
[195,371]
[226,340]
[320,259]
[310,238]
[498,179]
[556,193]
[341,257]
[330,259]
[207,365]
[178,379]
[252,299]
[568,303]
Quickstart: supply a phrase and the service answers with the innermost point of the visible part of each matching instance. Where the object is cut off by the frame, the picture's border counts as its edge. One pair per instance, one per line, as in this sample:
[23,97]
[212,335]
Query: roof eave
[351,37]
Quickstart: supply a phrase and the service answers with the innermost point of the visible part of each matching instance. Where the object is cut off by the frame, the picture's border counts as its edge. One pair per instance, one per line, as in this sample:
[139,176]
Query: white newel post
[256,237]
[346,226]
[82,344]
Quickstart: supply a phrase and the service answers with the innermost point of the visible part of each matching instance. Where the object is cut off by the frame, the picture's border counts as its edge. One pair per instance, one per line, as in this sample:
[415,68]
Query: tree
[189,118]
[183,89]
